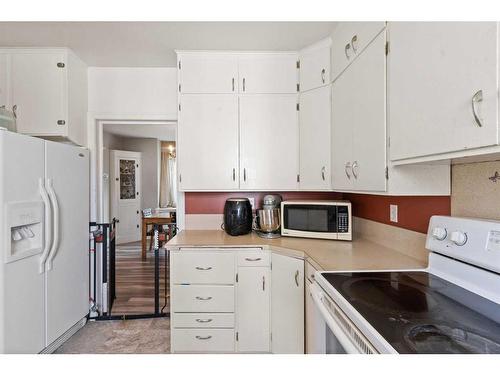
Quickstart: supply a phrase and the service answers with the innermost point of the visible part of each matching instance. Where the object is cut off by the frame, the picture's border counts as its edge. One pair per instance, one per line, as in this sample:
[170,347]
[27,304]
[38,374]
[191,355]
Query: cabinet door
[208,142]
[38,89]
[269,142]
[315,65]
[253,309]
[315,125]
[349,39]
[208,73]
[287,306]
[435,71]
[268,73]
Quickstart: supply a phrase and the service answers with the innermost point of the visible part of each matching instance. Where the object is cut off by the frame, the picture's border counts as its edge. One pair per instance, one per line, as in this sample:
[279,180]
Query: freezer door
[22,323]
[67,293]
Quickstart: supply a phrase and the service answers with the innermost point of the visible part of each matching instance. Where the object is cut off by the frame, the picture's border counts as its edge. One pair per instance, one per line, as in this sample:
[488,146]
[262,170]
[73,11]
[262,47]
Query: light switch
[394,213]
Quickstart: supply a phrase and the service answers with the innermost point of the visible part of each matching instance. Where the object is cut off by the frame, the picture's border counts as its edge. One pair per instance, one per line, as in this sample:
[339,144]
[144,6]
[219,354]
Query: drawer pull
[253,259]
[204,337]
[204,320]
[203,268]
[203,298]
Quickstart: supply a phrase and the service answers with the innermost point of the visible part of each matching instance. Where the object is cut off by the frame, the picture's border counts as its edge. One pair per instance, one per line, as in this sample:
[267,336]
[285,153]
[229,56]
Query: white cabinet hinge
[298,87]
[236,277]
[386,173]
[180,177]
[298,178]
[298,64]
[386,48]
[298,107]
[237,336]
[179,87]
[179,107]
[179,64]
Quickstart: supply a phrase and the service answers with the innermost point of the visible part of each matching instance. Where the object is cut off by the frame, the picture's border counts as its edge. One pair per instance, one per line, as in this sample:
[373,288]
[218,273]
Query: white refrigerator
[44,218]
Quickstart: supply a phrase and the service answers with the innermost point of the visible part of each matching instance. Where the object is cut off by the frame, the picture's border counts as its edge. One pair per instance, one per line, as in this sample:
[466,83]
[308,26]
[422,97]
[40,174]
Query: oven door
[335,340]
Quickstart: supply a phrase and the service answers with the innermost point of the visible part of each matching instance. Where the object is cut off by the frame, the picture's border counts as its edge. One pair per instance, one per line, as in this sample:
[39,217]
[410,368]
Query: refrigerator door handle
[55,206]
[48,223]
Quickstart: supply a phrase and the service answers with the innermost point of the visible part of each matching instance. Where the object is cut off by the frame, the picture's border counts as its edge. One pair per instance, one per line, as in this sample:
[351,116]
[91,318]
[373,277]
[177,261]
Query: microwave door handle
[331,323]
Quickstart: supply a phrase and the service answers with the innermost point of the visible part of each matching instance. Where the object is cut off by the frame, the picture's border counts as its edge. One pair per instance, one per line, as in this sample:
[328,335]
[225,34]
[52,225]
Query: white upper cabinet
[443,88]
[266,73]
[314,125]
[269,142]
[315,65]
[358,123]
[207,73]
[349,39]
[208,142]
[48,89]
[287,305]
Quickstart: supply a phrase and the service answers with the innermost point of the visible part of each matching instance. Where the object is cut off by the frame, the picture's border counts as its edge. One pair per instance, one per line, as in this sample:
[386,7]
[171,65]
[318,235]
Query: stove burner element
[430,338]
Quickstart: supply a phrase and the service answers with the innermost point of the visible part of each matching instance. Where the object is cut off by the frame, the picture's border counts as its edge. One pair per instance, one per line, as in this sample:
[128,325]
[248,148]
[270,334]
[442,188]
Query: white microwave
[331,220]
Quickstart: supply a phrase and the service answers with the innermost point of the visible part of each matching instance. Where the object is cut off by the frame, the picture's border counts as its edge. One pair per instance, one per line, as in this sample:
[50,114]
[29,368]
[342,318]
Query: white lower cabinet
[253,292]
[258,310]
[287,305]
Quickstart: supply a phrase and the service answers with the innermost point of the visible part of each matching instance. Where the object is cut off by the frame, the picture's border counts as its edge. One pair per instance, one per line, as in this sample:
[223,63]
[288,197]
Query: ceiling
[163,132]
[152,44]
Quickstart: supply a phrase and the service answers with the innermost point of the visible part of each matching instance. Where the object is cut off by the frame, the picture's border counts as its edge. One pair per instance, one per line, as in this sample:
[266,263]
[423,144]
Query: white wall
[134,92]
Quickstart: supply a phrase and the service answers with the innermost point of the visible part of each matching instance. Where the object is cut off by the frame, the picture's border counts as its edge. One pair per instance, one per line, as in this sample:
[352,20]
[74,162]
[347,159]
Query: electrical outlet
[252,202]
[394,213]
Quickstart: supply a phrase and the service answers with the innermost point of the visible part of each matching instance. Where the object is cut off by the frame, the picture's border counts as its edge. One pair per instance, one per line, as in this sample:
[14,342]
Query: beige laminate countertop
[360,254]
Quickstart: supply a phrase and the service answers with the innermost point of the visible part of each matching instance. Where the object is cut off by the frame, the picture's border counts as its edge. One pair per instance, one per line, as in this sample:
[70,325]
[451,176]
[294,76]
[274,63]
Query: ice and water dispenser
[24,225]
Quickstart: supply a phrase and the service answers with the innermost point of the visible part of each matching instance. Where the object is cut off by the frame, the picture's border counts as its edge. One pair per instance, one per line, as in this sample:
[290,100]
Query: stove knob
[458,238]
[439,233]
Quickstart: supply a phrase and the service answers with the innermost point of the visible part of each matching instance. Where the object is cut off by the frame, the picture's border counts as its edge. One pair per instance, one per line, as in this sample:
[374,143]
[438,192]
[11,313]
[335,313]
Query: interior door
[435,70]
[208,135]
[38,89]
[22,314]
[269,142]
[126,195]
[287,305]
[253,309]
[67,278]
[315,148]
[268,73]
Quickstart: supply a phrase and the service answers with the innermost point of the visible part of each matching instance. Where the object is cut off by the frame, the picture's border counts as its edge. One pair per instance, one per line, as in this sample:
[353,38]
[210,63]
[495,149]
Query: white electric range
[453,306]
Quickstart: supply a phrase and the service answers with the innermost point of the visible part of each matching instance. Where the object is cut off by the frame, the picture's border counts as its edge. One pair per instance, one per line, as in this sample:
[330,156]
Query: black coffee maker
[237,216]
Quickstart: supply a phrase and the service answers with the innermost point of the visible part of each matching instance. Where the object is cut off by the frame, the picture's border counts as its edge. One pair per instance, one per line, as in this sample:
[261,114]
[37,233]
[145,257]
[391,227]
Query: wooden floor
[135,281]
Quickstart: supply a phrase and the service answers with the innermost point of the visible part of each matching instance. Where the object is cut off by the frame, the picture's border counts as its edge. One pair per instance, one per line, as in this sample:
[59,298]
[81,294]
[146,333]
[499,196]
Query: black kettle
[237,216]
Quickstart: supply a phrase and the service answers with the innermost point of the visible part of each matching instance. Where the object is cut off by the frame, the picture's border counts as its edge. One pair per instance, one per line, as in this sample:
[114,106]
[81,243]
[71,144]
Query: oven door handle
[344,340]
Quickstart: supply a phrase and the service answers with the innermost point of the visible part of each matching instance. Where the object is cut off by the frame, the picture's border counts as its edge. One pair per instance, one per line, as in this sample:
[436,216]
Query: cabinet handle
[204,320]
[263,283]
[323,71]
[253,259]
[354,40]
[346,50]
[203,268]
[233,84]
[204,337]
[346,169]
[323,173]
[243,84]
[234,174]
[14,110]
[244,174]
[297,277]
[477,98]
[353,168]
[203,298]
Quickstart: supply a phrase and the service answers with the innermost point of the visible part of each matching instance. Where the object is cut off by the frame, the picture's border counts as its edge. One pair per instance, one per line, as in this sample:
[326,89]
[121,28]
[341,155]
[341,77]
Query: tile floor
[138,336]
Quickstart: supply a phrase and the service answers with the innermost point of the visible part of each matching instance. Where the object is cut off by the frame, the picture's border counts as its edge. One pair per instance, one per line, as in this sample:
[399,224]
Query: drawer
[310,270]
[202,267]
[254,258]
[202,340]
[202,298]
[202,320]
[349,39]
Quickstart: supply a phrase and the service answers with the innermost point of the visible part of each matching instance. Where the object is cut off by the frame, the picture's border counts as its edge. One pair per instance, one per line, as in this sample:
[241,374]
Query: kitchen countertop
[328,255]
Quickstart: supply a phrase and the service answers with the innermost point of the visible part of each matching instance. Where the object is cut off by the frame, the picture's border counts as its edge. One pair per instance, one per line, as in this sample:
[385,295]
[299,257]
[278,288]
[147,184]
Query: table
[159,220]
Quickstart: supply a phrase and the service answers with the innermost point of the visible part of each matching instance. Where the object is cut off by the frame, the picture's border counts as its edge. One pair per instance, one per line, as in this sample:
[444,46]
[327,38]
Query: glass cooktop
[417,312]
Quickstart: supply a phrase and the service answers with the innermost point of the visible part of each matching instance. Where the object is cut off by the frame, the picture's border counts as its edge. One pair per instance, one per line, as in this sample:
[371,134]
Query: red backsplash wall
[413,212]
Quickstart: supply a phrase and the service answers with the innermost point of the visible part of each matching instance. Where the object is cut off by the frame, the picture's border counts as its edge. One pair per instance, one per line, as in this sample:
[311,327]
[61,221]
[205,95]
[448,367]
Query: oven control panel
[473,241]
